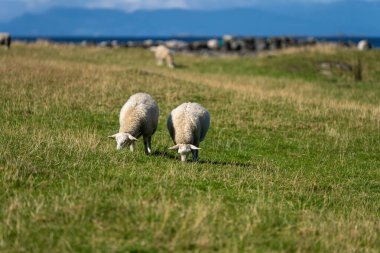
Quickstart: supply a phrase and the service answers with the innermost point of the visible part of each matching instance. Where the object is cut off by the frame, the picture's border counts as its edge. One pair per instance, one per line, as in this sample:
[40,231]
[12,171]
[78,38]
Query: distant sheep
[138,116]
[364,45]
[162,53]
[5,39]
[176,44]
[188,125]
[213,44]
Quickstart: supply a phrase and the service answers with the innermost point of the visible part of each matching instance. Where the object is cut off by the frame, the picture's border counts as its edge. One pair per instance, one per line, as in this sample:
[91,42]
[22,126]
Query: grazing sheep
[138,116]
[162,53]
[188,125]
[5,39]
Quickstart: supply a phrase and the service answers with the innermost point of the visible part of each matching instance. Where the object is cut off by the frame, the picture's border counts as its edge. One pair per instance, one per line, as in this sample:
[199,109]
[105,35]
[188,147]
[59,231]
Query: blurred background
[138,20]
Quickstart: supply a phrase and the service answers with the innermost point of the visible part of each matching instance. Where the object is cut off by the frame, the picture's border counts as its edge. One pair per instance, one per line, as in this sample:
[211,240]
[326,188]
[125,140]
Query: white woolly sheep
[162,53]
[188,125]
[138,116]
[5,39]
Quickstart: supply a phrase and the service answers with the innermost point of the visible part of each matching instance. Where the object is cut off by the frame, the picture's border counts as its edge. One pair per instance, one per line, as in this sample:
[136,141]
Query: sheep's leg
[195,152]
[132,147]
[148,144]
[169,62]
[195,155]
[160,62]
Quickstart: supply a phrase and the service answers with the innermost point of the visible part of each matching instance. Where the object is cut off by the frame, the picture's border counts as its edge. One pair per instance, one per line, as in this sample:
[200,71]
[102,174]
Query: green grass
[291,161]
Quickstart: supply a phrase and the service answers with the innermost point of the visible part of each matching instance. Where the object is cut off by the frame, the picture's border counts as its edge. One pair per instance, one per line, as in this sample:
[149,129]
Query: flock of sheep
[187,125]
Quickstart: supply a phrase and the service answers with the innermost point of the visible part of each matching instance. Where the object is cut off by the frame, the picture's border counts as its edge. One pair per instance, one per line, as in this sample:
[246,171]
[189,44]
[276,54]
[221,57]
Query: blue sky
[13,8]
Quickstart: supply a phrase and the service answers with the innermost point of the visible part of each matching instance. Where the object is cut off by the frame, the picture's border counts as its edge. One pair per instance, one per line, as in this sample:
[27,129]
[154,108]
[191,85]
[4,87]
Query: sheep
[188,125]
[213,44]
[162,53]
[138,116]
[364,45]
[5,39]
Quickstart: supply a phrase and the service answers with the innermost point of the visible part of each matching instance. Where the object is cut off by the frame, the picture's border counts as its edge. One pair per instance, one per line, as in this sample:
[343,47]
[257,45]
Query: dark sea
[374,41]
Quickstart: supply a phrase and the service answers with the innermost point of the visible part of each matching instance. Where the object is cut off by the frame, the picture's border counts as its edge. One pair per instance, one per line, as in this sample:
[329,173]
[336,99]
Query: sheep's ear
[131,137]
[175,147]
[194,147]
[112,136]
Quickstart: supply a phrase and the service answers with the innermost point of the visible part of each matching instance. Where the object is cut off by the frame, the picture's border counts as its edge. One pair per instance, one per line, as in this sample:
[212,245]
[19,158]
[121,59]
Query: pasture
[291,162]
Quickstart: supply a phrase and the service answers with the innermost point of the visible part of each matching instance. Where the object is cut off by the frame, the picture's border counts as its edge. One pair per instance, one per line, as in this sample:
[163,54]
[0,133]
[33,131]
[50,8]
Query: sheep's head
[123,140]
[184,149]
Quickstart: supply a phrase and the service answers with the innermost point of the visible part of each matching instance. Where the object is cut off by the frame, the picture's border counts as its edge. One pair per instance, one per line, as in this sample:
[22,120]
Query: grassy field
[291,162]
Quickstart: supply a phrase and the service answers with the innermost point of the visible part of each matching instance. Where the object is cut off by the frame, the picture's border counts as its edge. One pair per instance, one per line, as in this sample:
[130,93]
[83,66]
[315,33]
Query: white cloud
[130,5]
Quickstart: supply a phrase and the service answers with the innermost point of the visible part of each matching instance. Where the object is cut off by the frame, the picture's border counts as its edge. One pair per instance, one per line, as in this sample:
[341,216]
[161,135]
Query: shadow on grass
[164,154]
[180,66]
[174,157]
